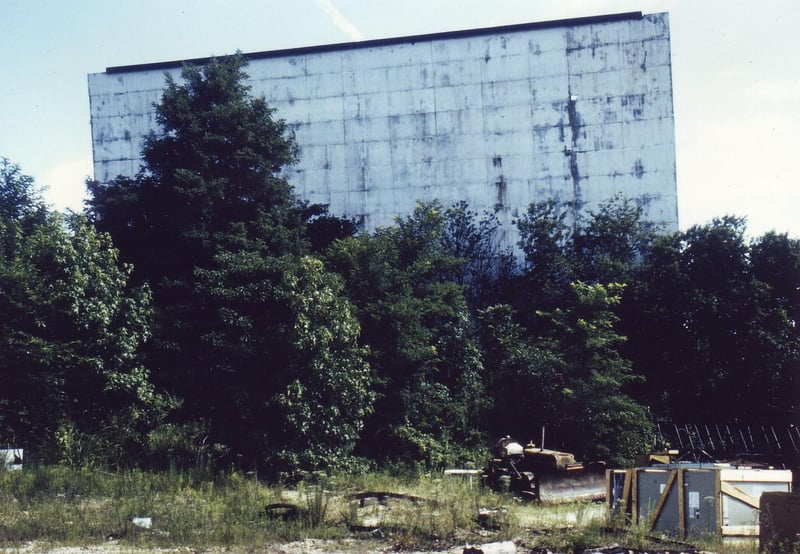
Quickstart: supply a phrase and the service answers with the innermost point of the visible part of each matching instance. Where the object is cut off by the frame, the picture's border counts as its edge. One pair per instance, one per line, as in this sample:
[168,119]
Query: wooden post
[681,503]
[663,498]
[627,486]
[719,509]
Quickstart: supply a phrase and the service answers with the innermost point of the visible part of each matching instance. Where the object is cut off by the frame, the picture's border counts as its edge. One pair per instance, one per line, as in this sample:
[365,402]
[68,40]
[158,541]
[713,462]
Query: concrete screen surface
[577,110]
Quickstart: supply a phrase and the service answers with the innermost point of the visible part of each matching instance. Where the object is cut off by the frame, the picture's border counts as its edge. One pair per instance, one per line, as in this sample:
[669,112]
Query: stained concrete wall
[578,110]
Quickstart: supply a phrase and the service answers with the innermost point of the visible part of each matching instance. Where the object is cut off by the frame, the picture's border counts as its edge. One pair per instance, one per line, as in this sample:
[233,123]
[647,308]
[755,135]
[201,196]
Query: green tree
[606,246]
[569,378]
[210,180]
[329,393]
[415,321]
[218,233]
[652,313]
[595,413]
[288,377]
[609,246]
[524,375]
[71,327]
[546,240]
[775,261]
[20,197]
[475,240]
[711,325]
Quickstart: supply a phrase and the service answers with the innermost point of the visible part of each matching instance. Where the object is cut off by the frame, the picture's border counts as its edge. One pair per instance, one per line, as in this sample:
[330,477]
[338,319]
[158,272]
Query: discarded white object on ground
[505,547]
[143,522]
[11,458]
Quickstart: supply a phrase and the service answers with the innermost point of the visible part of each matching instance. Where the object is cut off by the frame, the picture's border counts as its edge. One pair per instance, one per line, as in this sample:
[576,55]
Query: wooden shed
[691,500]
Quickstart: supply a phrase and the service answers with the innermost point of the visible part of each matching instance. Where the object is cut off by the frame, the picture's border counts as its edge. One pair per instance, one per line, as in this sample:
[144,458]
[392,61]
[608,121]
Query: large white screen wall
[579,110]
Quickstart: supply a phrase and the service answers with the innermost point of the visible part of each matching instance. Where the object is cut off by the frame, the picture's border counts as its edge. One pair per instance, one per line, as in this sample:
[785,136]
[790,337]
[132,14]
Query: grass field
[57,507]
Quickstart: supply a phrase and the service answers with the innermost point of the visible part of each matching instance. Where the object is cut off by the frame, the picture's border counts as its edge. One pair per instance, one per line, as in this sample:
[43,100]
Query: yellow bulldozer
[546,476]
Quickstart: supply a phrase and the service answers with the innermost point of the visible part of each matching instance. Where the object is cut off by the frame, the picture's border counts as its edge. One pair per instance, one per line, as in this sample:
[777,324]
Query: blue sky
[736,78]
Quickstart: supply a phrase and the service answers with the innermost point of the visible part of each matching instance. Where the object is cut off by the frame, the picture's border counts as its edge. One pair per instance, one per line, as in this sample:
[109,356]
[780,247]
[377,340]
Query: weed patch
[80,507]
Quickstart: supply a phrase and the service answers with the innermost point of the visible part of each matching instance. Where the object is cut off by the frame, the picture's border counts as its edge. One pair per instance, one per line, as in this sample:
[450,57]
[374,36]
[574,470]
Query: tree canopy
[218,234]
[200,313]
[712,330]
[71,325]
[415,321]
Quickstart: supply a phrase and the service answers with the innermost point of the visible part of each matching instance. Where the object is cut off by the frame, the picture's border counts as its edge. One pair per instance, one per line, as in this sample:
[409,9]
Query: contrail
[340,20]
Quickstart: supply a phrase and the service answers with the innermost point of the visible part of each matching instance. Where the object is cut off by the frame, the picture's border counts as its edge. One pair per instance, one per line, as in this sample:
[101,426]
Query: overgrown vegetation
[54,506]
[199,317]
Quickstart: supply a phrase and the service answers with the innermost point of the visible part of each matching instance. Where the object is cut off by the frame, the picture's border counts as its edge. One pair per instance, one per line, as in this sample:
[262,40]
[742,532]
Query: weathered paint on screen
[580,111]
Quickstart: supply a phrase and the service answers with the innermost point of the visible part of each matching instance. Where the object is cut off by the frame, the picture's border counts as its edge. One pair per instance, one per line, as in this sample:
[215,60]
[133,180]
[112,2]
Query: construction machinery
[546,476]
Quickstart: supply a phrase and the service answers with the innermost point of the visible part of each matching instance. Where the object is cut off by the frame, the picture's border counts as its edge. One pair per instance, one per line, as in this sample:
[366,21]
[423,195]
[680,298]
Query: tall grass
[64,505]
[59,505]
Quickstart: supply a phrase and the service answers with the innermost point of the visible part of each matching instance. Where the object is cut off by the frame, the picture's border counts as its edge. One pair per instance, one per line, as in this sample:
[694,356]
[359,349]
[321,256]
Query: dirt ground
[298,547]
[320,547]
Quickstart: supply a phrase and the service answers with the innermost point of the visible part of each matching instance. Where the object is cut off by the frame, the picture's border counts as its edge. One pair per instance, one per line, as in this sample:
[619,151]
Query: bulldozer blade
[583,485]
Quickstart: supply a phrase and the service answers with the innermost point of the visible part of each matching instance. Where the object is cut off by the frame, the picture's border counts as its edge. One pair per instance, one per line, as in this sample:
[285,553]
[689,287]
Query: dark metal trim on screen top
[390,41]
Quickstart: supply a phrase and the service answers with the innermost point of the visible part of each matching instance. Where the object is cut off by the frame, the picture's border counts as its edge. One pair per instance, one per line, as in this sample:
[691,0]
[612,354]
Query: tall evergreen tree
[218,233]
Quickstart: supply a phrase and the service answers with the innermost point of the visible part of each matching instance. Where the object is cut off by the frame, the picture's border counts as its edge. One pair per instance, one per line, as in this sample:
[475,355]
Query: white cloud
[340,21]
